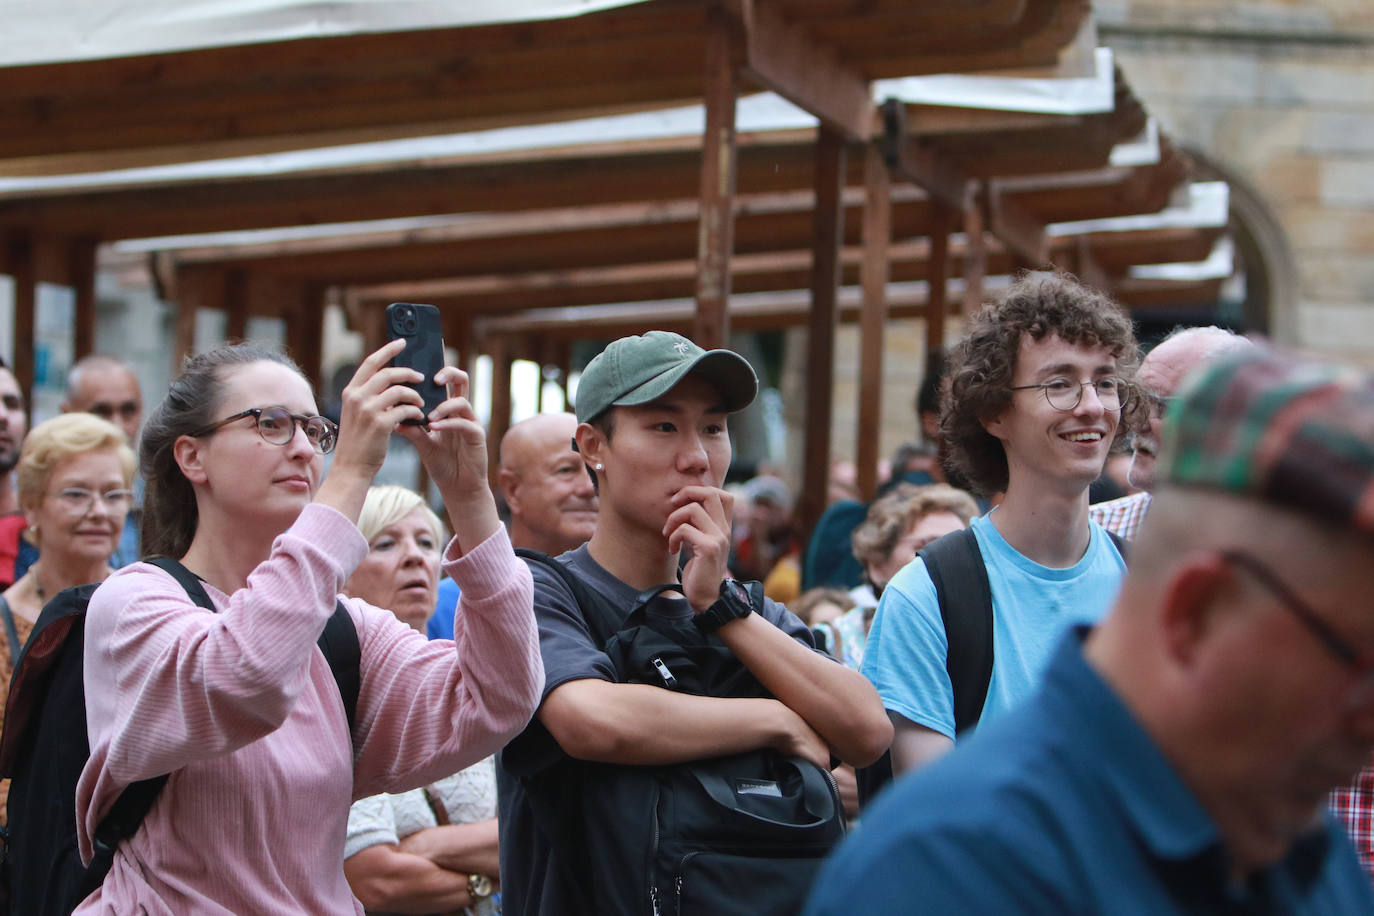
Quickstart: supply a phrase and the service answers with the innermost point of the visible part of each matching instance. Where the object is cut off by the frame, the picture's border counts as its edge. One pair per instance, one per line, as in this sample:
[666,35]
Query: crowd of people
[1135,705]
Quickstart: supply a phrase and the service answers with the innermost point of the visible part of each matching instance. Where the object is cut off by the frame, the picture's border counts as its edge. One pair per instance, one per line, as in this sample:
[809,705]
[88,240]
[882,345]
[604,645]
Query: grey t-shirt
[533,880]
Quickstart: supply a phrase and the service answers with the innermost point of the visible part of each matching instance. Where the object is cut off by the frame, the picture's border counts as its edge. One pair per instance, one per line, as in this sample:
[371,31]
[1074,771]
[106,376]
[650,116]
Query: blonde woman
[74,476]
[432,849]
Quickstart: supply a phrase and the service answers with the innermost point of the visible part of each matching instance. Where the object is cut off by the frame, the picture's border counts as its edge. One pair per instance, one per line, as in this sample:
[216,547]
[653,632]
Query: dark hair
[170,515]
[982,365]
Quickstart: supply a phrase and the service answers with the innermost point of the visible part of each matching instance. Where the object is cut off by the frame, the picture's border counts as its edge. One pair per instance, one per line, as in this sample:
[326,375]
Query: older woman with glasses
[239,704]
[74,476]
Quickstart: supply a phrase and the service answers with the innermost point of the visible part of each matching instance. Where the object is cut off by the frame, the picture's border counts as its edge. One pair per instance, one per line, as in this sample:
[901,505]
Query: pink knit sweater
[241,708]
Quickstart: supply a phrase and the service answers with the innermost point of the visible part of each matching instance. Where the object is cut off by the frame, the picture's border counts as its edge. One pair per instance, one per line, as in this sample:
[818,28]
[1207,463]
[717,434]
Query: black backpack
[44,747]
[956,569]
[728,836]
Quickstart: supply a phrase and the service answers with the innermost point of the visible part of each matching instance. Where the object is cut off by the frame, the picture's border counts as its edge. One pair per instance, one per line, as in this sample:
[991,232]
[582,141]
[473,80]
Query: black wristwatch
[732,604]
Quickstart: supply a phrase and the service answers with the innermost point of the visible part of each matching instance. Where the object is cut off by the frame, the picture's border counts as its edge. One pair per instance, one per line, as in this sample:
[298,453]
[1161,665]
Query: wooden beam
[81,272]
[791,309]
[21,257]
[975,259]
[235,305]
[1090,273]
[304,321]
[877,239]
[783,57]
[499,347]
[825,280]
[185,333]
[715,239]
[1016,227]
[923,165]
[938,277]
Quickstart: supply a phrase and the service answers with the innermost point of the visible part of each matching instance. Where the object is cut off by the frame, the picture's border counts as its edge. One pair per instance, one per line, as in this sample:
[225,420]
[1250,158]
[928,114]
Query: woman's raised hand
[376,400]
[453,448]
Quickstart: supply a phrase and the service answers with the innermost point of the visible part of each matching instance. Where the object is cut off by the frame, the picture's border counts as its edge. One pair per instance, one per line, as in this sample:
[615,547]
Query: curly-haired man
[1033,400]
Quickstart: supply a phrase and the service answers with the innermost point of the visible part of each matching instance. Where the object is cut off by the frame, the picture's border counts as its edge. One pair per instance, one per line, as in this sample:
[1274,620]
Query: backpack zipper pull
[668,680]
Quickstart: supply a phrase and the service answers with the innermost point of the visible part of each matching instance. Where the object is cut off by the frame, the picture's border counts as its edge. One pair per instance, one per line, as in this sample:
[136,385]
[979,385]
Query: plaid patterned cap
[1289,431]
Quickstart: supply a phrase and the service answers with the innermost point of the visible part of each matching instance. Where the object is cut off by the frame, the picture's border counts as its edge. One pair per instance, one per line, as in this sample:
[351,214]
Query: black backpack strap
[10,632]
[1120,543]
[955,566]
[602,620]
[118,824]
[133,804]
[338,642]
[341,648]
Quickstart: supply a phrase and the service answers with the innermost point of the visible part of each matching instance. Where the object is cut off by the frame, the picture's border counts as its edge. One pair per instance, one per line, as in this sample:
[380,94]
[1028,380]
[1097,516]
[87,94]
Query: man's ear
[187,452]
[996,426]
[590,443]
[509,482]
[1191,604]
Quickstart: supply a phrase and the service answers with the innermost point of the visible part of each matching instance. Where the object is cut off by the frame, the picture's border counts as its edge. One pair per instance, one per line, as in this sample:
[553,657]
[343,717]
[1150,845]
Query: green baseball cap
[637,369]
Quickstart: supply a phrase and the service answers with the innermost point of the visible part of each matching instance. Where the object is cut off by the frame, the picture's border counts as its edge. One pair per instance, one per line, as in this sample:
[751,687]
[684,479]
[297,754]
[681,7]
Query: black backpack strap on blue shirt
[956,569]
[341,648]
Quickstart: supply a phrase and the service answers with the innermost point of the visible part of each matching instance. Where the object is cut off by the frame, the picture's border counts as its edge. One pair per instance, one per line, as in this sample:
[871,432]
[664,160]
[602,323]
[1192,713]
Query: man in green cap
[1178,758]
[652,428]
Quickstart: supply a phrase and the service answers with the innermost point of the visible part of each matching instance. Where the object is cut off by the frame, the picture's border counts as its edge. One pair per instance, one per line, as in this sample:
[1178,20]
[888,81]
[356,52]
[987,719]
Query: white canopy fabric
[51,31]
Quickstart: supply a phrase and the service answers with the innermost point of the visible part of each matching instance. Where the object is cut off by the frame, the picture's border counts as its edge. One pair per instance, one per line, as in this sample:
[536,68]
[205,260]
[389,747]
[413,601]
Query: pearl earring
[600,466]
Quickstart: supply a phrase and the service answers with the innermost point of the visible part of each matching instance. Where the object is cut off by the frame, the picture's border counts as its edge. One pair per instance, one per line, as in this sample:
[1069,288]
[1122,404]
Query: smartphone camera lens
[405,320]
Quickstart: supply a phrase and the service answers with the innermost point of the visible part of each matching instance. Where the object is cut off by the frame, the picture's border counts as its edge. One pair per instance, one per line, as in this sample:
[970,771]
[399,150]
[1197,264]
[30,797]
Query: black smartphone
[418,326]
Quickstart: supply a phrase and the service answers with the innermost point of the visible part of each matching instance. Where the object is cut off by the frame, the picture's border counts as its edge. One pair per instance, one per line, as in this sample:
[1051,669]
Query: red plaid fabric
[1354,804]
[1122,516]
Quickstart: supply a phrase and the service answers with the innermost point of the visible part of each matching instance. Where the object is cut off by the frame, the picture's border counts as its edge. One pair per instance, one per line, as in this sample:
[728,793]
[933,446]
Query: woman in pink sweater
[240,705]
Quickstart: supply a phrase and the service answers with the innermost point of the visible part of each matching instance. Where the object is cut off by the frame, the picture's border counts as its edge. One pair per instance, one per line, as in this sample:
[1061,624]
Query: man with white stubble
[1161,371]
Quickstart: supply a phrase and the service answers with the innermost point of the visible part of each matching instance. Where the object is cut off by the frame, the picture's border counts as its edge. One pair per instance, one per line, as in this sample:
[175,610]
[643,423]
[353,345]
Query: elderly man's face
[1289,718]
[1159,376]
[548,491]
[110,393]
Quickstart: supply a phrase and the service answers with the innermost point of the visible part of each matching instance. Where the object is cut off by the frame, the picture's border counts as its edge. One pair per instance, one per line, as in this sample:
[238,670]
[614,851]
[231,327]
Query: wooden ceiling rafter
[211,102]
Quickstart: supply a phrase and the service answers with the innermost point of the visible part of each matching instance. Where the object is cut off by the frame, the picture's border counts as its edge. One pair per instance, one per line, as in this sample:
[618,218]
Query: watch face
[735,590]
[479,885]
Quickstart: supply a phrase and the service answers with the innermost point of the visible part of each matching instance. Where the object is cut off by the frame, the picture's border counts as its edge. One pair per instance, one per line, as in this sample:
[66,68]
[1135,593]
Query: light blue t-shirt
[1032,607]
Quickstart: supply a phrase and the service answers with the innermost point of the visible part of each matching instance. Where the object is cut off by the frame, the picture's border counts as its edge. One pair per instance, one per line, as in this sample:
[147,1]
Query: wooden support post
[715,234]
[937,278]
[1090,272]
[825,280]
[81,271]
[305,332]
[186,330]
[235,305]
[976,258]
[23,268]
[563,360]
[877,237]
[500,350]
[372,318]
